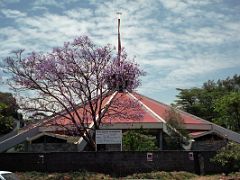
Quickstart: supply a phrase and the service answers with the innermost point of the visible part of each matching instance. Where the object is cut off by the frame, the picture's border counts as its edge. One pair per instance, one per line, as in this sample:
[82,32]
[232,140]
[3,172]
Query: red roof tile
[151,110]
[145,115]
[161,110]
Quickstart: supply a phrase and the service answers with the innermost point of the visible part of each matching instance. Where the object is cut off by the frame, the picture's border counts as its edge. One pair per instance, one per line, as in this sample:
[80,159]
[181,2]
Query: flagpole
[119,39]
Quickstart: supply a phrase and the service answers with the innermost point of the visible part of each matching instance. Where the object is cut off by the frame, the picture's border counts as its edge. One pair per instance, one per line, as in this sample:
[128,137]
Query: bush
[228,157]
[6,124]
[138,140]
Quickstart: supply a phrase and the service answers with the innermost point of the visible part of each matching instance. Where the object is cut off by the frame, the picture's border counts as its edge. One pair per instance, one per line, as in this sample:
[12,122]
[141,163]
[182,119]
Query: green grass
[61,176]
[95,176]
[163,175]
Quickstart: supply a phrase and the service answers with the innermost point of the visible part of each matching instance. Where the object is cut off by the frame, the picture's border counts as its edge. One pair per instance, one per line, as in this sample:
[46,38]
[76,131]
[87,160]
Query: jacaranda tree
[77,82]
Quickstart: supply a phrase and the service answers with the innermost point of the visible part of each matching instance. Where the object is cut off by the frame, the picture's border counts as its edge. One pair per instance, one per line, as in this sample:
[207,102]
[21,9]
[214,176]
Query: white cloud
[183,73]
[40,3]
[55,3]
[200,66]
[37,8]
[183,6]
[10,13]
[173,5]
[79,13]
[41,33]
[176,46]
[232,27]
[205,35]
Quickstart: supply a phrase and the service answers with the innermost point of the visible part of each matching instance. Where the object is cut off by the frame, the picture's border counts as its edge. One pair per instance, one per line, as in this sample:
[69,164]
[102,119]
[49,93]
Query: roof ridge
[41,122]
[181,111]
[154,100]
[193,116]
[148,109]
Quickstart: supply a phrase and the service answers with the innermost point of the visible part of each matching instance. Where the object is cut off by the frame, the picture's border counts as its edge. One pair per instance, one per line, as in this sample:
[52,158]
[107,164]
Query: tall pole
[119,39]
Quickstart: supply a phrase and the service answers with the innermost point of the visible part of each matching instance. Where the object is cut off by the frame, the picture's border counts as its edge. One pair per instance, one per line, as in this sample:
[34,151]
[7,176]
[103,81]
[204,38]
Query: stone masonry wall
[118,163]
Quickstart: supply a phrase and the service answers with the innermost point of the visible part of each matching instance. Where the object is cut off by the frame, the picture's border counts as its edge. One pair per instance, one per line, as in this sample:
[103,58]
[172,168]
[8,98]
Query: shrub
[6,124]
[138,140]
[228,157]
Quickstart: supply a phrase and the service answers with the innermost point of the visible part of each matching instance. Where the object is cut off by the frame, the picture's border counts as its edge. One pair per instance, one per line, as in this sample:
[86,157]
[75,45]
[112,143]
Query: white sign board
[108,136]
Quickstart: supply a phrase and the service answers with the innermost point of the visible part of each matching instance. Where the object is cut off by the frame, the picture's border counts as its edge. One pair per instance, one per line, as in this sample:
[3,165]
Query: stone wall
[118,163]
[51,147]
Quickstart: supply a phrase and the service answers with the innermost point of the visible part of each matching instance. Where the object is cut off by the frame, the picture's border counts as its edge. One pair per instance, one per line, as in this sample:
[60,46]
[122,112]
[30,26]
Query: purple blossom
[79,72]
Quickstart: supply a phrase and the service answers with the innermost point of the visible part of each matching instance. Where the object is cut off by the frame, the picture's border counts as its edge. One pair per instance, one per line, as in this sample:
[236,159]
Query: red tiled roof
[146,116]
[196,134]
[151,110]
[161,110]
[63,121]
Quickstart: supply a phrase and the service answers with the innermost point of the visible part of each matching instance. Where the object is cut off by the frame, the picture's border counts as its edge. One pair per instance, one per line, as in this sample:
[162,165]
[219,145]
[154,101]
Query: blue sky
[179,43]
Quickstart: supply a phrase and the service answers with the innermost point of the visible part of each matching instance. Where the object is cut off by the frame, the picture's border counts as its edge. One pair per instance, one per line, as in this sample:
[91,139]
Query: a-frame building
[50,134]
